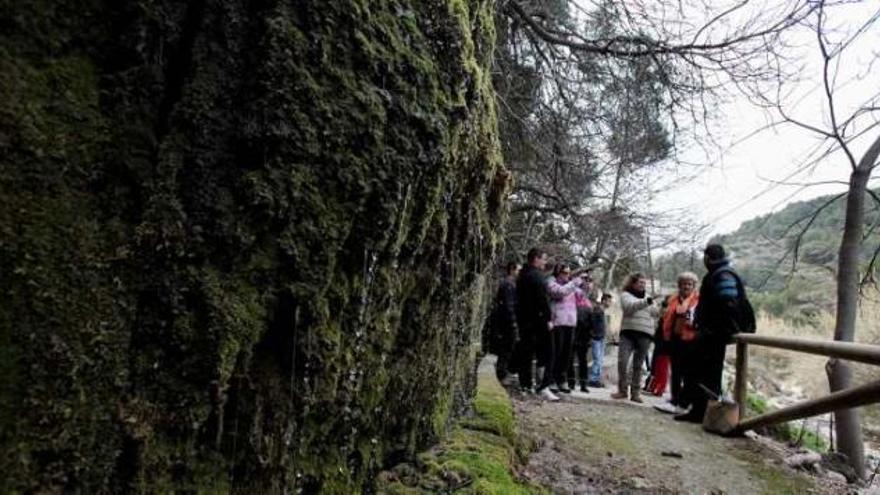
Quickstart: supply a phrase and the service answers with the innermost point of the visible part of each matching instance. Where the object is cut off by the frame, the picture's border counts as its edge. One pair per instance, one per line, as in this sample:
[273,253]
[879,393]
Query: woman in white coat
[636,333]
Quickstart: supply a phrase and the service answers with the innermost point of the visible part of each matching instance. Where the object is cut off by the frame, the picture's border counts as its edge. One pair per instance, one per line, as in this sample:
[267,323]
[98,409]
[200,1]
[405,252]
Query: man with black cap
[722,295]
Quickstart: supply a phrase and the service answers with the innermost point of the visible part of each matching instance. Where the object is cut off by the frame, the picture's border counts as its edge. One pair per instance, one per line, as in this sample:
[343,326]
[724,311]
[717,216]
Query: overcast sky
[738,183]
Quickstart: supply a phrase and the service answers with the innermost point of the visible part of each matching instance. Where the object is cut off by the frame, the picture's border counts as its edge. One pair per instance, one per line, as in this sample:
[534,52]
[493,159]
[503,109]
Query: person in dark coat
[582,337]
[590,338]
[534,320]
[505,331]
[597,343]
[721,292]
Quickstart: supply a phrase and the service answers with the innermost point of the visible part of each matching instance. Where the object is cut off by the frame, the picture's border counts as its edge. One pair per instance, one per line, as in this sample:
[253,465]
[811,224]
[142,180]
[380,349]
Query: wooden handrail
[844,399]
[862,353]
[837,401]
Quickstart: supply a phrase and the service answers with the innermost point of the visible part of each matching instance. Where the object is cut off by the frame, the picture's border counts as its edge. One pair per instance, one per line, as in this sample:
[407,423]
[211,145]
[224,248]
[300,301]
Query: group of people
[557,319]
[552,319]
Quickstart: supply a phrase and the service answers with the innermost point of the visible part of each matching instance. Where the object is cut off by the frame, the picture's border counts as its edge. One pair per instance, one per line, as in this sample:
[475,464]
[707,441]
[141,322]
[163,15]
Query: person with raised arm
[636,333]
[563,289]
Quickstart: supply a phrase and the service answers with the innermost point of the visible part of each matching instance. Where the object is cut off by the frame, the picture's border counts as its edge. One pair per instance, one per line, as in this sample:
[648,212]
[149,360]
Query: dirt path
[590,443]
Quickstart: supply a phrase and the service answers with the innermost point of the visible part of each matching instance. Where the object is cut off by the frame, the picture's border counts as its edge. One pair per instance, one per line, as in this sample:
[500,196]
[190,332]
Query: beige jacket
[638,315]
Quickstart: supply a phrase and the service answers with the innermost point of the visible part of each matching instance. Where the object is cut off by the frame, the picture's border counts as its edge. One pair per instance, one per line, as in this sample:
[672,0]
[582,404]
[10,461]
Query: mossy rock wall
[242,243]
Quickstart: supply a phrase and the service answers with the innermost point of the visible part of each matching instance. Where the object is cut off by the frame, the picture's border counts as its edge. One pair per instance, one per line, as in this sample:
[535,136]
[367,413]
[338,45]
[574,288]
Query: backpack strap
[740,287]
[744,320]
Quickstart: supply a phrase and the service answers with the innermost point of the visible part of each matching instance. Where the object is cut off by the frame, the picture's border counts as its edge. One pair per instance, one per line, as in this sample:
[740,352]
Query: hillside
[764,249]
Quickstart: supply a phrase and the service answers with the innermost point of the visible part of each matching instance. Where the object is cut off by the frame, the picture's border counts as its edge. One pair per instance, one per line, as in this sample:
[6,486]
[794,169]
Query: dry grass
[806,371]
[777,372]
[786,370]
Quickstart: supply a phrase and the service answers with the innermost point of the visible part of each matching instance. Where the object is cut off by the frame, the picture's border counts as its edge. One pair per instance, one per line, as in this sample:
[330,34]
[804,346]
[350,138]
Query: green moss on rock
[480,456]
[243,245]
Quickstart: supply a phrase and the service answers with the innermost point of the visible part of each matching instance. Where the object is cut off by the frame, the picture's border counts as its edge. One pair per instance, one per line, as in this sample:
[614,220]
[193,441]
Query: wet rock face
[242,244]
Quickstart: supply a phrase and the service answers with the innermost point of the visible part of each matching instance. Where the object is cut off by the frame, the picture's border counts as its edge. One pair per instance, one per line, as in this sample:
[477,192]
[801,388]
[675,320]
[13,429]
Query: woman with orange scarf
[678,329]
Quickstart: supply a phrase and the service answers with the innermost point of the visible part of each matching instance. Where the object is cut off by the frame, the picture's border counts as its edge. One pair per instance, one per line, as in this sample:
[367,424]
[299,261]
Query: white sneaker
[669,408]
[546,394]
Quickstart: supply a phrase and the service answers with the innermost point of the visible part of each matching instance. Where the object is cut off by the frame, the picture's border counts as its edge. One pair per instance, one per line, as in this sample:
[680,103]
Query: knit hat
[715,252]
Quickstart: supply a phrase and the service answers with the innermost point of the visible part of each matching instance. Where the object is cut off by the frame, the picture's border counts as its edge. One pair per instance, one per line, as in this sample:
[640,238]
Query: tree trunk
[609,274]
[849,431]
[650,262]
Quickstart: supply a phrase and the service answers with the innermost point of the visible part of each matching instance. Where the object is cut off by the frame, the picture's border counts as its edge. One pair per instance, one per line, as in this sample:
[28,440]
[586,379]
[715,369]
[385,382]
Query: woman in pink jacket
[563,290]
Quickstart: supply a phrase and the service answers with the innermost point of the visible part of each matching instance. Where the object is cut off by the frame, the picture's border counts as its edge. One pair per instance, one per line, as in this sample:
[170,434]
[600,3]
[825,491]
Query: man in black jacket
[505,331]
[533,317]
[721,297]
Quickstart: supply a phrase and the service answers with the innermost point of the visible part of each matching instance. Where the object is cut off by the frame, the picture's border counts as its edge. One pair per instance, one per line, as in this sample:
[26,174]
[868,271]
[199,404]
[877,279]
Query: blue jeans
[597,347]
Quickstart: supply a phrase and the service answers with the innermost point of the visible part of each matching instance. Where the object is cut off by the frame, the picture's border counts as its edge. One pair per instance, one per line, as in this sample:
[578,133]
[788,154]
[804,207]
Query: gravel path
[601,447]
[590,443]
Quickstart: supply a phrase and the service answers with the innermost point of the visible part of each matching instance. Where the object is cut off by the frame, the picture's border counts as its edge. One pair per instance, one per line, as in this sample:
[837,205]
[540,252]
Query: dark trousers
[534,341]
[579,352]
[706,367]
[563,341]
[546,357]
[523,355]
[681,356]
[504,365]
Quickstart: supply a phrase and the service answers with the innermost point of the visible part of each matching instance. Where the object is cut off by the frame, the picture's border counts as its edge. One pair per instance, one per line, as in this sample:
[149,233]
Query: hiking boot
[510,381]
[637,399]
[596,384]
[619,395]
[548,395]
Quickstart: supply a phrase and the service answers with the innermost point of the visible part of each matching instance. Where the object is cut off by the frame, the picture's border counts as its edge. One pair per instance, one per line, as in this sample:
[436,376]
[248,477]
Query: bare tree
[840,136]
[849,433]
[593,93]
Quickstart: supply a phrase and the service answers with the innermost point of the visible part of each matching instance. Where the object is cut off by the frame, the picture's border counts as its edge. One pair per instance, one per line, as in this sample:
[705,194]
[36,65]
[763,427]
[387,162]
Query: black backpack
[743,315]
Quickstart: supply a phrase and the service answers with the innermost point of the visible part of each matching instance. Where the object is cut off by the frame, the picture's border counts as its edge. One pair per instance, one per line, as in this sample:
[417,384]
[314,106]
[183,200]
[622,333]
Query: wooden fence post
[742,378]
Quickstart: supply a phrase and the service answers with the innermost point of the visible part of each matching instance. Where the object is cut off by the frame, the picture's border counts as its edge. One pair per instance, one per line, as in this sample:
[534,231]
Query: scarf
[640,294]
[678,309]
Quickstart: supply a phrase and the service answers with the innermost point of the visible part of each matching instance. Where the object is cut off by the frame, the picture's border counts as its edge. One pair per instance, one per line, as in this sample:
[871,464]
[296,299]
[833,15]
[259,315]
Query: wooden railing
[844,399]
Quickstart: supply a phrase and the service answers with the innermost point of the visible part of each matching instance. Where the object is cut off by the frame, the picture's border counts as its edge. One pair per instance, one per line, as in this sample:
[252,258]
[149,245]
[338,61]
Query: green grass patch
[479,456]
[789,433]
